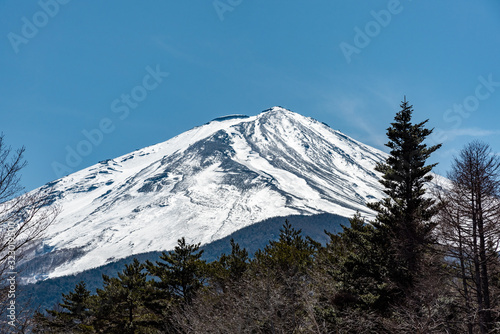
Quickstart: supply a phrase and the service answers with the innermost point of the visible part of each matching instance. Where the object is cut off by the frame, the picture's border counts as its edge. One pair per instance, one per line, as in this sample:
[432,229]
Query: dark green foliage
[356,259]
[289,255]
[236,263]
[268,294]
[283,267]
[47,293]
[378,267]
[180,273]
[404,216]
[294,285]
[72,316]
[229,269]
[119,306]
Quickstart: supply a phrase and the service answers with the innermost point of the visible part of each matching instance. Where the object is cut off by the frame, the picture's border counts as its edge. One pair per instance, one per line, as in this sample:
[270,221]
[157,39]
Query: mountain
[204,184]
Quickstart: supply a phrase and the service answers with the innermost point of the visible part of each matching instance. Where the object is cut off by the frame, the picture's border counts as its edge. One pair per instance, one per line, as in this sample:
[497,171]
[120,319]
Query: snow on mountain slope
[205,184]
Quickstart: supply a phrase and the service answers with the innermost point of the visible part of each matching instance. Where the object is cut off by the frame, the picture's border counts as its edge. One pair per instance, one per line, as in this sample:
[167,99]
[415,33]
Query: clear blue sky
[74,66]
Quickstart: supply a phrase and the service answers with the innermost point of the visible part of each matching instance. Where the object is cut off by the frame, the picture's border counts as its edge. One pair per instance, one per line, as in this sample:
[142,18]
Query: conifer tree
[121,302]
[229,268]
[281,270]
[74,316]
[269,294]
[290,254]
[357,263]
[180,272]
[404,216]
[177,278]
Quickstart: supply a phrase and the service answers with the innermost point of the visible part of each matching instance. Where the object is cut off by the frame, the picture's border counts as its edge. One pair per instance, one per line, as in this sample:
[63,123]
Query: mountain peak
[205,184]
[277,110]
[229,117]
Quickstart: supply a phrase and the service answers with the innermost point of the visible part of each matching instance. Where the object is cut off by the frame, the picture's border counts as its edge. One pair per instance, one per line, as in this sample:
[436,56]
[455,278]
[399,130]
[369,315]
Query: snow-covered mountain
[205,184]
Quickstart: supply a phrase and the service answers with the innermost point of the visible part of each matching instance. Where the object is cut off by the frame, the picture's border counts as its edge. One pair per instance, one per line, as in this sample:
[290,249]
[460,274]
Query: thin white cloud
[468,132]
[353,109]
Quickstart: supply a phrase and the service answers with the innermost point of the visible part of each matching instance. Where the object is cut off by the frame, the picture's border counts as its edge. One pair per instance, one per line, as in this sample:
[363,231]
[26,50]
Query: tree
[282,270]
[404,216]
[352,280]
[120,306]
[181,272]
[177,278]
[272,295]
[290,255]
[23,219]
[74,316]
[229,269]
[356,261]
[470,224]
[454,235]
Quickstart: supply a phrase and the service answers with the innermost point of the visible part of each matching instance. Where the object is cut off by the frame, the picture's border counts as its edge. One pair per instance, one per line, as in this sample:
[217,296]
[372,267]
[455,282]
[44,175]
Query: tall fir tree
[404,216]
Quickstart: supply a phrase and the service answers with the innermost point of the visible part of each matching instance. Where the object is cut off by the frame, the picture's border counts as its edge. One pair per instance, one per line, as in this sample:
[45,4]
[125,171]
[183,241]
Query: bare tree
[455,236]
[470,218]
[253,305]
[23,219]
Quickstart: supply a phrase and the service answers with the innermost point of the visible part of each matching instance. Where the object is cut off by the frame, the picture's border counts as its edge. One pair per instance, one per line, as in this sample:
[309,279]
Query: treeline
[428,263]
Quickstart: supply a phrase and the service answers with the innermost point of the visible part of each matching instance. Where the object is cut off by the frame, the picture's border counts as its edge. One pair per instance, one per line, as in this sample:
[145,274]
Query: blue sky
[129,74]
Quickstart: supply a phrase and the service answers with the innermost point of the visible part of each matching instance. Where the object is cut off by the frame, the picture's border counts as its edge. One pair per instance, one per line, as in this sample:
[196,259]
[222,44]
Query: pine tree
[281,270]
[180,273]
[290,254]
[120,305]
[229,268]
[74,316]
[177,278]
[404,216]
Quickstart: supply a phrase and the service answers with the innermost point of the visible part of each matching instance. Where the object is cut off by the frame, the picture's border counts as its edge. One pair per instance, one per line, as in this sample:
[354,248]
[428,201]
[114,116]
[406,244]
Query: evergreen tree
[290,254]
[352,280]
[74,316]
[229,269]
[177,278]
[120,304]
[180,273]
[404,216]
[281,270]
[358,264]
